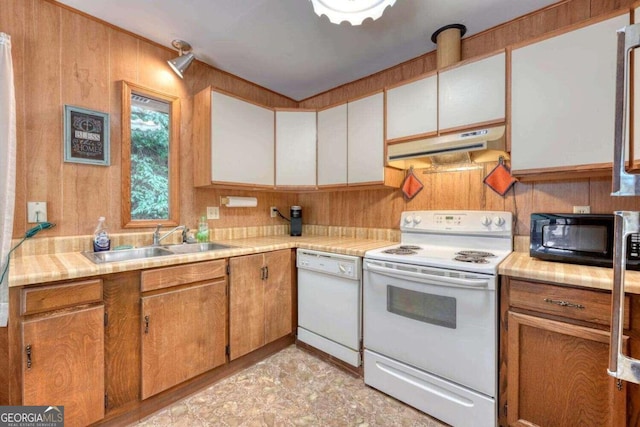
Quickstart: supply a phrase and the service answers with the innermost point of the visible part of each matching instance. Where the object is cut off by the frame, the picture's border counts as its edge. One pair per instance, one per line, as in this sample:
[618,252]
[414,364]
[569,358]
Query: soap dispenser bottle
[203,230]
[101,240]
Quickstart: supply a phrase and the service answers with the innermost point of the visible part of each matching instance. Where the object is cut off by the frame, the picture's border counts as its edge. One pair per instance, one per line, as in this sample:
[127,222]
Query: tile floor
[290,388]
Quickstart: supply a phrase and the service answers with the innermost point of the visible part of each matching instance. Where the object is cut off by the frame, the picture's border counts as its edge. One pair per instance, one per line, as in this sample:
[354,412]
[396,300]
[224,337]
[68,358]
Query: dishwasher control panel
[323,262]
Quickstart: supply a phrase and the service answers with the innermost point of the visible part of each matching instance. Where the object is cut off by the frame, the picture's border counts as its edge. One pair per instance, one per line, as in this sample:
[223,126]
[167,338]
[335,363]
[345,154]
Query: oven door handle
[428,278]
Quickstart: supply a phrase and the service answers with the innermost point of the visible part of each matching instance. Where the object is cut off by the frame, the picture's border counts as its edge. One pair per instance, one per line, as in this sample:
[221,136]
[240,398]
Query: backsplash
[51,245]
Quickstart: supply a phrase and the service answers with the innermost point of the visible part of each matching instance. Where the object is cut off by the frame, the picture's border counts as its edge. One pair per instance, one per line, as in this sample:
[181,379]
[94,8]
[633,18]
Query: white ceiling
[284,46]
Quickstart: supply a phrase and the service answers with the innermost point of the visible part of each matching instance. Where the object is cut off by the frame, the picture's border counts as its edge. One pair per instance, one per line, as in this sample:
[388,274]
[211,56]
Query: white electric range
[431,310]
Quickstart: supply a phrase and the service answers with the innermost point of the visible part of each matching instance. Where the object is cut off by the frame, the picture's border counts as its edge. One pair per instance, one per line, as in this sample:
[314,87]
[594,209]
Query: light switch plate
[36,212]
[213,212]
[582,209]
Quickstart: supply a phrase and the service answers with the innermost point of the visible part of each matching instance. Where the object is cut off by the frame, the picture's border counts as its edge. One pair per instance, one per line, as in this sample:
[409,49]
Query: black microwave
[579,239]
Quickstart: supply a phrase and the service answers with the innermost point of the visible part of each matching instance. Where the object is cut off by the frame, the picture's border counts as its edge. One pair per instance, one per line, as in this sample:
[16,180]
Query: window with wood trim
[150,163]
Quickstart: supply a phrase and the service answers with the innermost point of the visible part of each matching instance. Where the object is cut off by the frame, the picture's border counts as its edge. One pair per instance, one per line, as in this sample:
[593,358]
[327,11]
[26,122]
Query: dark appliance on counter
[586,239]
[296,221]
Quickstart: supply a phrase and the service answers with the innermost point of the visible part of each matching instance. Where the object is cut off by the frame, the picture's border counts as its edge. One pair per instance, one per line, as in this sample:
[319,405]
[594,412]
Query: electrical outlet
[213,212]
[36,212]
[273,211]
[582,209]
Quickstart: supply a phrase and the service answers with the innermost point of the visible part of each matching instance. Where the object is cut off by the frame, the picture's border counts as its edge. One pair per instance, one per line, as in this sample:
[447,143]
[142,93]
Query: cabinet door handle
[564,303]
[28,351]
[266,272]
[146,324]
[261,273]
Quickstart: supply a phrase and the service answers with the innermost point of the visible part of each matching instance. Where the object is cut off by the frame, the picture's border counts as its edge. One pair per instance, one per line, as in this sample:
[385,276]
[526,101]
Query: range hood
[482,145]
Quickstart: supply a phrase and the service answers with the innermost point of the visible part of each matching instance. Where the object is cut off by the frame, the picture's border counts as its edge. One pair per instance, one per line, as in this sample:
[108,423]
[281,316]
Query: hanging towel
[411,185]
[500,179]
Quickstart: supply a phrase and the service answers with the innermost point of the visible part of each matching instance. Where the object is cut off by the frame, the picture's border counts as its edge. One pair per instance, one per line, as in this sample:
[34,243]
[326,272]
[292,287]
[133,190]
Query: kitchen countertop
[38,269]
[520,265]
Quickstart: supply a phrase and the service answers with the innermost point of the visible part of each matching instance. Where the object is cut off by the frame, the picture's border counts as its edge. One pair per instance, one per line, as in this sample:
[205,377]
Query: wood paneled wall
[64,57]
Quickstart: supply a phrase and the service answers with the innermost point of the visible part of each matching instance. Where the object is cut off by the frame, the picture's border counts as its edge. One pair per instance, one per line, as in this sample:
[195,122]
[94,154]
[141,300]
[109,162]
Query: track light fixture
[180,64]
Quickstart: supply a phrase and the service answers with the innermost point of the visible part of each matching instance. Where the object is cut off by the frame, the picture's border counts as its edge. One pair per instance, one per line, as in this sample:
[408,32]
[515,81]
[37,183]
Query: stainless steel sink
[152,252]
[127,254]
[192,248]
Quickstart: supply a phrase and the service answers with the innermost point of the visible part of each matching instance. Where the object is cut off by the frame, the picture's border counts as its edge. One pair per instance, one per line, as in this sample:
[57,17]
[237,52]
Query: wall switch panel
[213,212]
[272,210]
[582,209]
[36,212]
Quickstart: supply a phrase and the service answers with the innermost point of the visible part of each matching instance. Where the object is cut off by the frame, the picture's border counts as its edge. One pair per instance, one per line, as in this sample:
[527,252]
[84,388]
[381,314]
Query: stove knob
[499,221]
[417,219]
[486,221]
[408,219]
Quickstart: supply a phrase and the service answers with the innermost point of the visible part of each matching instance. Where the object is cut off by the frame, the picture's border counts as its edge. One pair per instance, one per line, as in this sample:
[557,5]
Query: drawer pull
[28,351]
[564,303]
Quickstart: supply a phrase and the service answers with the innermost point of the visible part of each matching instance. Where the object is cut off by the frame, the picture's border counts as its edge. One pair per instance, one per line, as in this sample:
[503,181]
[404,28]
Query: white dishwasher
[330,303]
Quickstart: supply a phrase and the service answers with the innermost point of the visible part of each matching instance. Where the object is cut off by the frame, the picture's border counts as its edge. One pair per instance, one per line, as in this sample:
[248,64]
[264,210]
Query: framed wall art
[86,136]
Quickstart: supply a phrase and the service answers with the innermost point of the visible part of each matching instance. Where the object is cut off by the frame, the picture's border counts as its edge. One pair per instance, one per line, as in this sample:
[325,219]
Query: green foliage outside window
[149,164]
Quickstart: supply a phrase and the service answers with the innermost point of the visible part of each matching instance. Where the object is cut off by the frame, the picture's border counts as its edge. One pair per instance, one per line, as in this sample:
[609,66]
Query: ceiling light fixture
[353,11]
[180,64]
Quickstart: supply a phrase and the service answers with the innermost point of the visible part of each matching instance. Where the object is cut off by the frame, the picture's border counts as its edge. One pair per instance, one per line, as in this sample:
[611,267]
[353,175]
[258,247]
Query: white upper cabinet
[295,148]
[562,100]
[242,146]
[412,108]
[473,93]
[366,140]
[332,146]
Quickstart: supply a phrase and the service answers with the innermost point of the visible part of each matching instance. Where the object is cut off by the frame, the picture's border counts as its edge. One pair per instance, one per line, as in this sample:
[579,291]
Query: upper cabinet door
[295,148]
[562,100]
[366,139]
[332,146]
[472,93]
[412,109]
[242,146]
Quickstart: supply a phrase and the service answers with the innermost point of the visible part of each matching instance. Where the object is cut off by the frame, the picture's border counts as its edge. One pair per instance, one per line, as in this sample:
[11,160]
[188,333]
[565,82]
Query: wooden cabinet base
[136,411]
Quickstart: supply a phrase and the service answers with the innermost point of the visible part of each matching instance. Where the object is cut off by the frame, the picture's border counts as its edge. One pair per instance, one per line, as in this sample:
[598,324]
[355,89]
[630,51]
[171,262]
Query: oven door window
[429,308]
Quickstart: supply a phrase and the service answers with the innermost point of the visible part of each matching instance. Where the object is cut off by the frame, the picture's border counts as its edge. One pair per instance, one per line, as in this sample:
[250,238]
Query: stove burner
[411,247]
[471,258]
[400,251]
[477,254]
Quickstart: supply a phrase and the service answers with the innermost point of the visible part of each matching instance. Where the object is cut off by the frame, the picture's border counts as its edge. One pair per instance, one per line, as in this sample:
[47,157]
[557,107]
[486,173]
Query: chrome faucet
[157,238]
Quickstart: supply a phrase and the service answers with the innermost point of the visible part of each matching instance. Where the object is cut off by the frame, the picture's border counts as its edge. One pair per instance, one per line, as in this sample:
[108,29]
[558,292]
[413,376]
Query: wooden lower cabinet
[556,363]
[260,300]
[107,348]
[63,363]
[183,333]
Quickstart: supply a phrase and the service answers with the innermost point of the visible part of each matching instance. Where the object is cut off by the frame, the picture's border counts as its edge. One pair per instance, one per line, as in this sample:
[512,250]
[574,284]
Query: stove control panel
[481,222]
[446,219]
